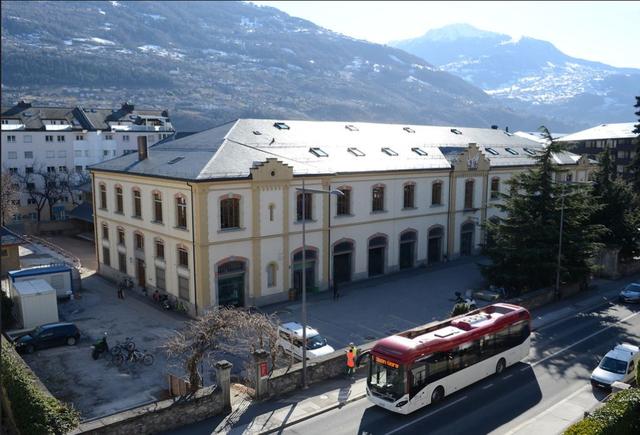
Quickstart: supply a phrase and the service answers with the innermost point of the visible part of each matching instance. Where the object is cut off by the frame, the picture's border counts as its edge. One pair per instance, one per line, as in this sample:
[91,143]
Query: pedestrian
[120,291]
[336,294]
[351,360]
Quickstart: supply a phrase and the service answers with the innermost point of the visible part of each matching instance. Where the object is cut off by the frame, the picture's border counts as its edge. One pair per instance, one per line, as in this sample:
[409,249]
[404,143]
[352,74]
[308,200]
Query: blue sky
[607,32]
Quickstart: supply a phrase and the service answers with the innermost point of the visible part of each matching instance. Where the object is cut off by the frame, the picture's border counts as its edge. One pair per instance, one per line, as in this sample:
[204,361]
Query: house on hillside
[216,218]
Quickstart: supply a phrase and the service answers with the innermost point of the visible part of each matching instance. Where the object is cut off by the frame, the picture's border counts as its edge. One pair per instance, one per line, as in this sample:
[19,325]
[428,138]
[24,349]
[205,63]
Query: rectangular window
[122,262]
[79,137]
[62,168]
[183,258]
[495,188]
[318,152]
[51,169]
[11,138]
[377,202]
[78,168]
[160,250]
[160,279]
[181,212]
[409,196]
[125,138]
[105,232]
[27,138]
[468,194]
[13,171]
[308,207]
[60,138]
[139,239]
[356,152]
[13,154]
[389,151]
[230,213]
[48,138]
[419,151]
[28,155]
[137,204]
[105,153]
[28,170]
[108,137]
[119,201]
[157,207]
[103,197]
[106,256]
[183,288]
[120,236]
[344,203]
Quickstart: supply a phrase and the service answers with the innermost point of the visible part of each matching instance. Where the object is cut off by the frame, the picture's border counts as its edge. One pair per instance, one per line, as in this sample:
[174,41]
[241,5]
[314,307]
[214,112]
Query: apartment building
[67,140]
[215,218]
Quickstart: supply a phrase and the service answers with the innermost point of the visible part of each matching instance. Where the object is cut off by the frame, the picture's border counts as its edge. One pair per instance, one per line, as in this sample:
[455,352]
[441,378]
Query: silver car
[631,293]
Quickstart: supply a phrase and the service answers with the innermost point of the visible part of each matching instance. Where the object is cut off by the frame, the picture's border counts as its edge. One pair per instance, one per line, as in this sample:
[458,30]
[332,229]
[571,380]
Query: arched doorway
[434,248]
[231,282]
[407,249]
[312,256]
[342,261]
[466,238]
[377,250]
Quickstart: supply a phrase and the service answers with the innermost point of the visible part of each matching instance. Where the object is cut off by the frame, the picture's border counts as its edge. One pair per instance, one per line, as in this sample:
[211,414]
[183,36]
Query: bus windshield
[386,379]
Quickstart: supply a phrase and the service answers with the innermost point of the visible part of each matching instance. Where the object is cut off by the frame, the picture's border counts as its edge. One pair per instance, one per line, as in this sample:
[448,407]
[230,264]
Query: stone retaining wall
[158,416]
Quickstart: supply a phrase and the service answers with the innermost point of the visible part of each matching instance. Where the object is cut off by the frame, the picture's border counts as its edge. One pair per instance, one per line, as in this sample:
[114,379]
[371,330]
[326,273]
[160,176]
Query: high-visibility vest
[351,359]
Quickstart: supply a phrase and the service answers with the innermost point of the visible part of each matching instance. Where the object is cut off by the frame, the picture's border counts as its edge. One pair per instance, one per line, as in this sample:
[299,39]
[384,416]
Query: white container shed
[35,303]
[58,275]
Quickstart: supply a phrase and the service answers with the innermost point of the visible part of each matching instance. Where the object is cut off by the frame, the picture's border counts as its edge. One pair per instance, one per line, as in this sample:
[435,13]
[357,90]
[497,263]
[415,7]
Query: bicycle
[120,347]
[135,356]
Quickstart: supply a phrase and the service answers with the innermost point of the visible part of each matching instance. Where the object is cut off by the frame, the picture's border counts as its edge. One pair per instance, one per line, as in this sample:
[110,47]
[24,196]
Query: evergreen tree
[524,248]
[620,210]
[633,170]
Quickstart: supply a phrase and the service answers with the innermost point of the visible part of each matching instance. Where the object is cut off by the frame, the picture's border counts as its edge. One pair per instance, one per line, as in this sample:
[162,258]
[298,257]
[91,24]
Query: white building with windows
[68,139]
[215,217]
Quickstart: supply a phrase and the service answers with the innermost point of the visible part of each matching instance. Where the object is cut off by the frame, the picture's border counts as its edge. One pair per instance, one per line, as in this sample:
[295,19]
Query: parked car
[48,335]
[619,364]
[290,341]
[631,293]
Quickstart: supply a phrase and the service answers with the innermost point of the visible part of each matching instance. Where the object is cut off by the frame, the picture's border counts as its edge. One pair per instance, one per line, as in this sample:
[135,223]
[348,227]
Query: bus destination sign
[387,362]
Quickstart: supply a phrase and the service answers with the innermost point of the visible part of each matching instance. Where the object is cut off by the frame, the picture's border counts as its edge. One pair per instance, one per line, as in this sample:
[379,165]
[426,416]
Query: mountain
[530,74]
[209,62]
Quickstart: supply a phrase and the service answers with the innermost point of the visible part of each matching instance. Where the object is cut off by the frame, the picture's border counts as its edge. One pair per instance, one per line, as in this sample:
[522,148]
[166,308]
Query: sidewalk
[273,416]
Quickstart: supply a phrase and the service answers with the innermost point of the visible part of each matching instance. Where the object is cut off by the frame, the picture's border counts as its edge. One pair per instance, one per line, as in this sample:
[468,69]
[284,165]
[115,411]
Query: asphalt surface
[562,357]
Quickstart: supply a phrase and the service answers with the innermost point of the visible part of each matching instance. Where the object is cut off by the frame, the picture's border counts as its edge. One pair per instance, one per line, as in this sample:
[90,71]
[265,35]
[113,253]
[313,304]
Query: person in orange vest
[351,359]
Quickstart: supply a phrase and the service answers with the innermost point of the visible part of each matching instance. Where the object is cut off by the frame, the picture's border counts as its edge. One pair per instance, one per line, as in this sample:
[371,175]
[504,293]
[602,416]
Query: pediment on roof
[271,170]
[471,160]
[583,161]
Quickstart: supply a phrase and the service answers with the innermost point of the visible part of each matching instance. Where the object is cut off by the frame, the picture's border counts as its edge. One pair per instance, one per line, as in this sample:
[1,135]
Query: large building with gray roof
[215,218]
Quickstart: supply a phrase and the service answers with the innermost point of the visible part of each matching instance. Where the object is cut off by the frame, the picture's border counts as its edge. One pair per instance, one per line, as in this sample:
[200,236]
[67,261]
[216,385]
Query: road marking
[584,339]
[507,376]
[548,410]
[487,386]
[404,426]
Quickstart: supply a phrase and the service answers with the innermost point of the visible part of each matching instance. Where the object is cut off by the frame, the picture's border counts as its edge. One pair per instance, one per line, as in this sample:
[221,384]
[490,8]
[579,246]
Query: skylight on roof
[281,126]
[455,131]
[512,151]
[176,160]
[419,151]
[409,130]
[256,132]
[351,127]
[389,151]
[491,151]
[529,151]
[318,152]
[355,151]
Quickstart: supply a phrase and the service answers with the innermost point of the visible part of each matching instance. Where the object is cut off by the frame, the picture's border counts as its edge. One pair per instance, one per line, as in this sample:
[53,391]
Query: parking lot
[98,387]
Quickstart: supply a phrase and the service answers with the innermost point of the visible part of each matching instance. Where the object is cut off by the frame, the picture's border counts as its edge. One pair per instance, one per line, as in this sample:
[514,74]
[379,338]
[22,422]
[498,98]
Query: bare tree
[235,331]
[70,182]
[44,187]
[8,193]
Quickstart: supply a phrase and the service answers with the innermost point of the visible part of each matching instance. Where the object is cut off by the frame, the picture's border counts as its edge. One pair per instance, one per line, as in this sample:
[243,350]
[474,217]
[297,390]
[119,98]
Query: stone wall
[158,416]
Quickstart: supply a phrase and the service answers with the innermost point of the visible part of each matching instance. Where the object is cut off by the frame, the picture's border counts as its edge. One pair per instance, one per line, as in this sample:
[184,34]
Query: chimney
[494,127]
[506,129]
[142,148]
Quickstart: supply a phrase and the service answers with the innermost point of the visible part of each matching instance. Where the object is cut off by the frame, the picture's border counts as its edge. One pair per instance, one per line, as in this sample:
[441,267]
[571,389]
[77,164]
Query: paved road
[552,383]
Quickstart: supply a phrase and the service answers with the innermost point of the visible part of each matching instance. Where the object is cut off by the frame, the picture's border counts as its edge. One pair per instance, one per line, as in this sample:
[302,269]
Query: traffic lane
[512,398]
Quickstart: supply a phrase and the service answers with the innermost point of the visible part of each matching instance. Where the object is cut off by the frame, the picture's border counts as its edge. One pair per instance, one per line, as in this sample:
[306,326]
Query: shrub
[34,411]
[460,308]
[7,311]
[619,416]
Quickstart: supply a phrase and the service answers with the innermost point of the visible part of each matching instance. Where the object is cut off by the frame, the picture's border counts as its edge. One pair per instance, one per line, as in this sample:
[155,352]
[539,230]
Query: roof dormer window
[409,130]
[491,151]
[351,127]
[318,152]
[419,151]
[389,151]
[529,151]
[455,131]
[256,132]
[512,151]
[281,126]
[356,152]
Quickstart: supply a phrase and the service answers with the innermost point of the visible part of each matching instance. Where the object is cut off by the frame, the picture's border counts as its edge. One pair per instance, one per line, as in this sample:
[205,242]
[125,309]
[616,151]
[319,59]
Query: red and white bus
[420,366]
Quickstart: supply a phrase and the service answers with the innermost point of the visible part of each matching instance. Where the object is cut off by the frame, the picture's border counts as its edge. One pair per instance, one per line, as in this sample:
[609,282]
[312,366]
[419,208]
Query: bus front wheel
[437,395]
[502,364]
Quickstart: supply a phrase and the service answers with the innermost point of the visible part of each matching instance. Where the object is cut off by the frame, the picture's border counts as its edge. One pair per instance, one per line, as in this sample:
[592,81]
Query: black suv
[49,335]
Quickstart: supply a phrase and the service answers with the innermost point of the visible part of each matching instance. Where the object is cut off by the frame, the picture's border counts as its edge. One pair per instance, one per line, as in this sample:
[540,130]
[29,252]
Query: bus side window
[470,354]
[518,333]
[418,378]
[437,367]
[487,346]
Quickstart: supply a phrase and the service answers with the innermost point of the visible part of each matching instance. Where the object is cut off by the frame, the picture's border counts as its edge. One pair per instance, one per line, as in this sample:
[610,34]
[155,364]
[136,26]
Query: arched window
[377,198]
[436,193]
[468,194]
[467,238]
[230,213]
[409,191]
[181,212]
[310,270]
[105,232]
[137,203]
[103,196]
[272,270]
[121,236]
[157,207]
[434,245]
[119,201]
[407,249]
[495,188]
[159,249]
[139,240]
[377,255]
[183,257]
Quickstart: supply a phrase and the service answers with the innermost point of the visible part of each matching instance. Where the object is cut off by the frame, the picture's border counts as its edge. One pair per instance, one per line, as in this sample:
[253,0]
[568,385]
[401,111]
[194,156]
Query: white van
[619,364]
[290,340]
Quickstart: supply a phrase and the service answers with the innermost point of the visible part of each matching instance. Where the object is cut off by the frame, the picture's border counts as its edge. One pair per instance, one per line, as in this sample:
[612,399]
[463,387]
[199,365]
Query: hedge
[619,416]
[34,411]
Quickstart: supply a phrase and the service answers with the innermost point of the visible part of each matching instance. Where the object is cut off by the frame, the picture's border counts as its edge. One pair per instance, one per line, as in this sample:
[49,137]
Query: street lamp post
[304,273]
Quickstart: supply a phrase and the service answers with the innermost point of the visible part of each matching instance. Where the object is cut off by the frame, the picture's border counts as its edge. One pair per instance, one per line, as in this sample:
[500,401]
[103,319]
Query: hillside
[209,62]
[531,74]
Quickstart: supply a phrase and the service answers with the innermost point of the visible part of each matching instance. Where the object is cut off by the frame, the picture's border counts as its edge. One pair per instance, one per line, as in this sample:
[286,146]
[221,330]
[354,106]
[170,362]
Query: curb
[313,414]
